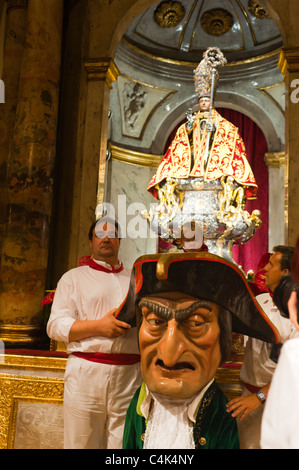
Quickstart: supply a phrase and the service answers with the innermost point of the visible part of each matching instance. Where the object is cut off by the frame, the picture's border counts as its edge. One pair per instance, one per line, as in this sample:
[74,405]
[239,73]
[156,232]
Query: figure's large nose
[173,344]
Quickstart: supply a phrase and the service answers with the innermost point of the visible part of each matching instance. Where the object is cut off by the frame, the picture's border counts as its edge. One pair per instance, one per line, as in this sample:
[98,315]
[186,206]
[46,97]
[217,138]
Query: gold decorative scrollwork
[169,14]
[170,202]
[232,202]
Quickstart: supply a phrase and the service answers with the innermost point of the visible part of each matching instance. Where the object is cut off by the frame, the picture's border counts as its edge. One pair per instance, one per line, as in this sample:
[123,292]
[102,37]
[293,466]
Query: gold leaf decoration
[217,21]
[257,10]
[169,14]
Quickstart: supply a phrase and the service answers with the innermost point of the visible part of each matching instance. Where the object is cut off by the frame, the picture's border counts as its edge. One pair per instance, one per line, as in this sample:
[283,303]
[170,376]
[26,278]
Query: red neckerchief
[92,264]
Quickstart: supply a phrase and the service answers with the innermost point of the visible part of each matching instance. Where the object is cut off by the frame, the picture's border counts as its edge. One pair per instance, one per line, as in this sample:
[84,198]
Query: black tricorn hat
[204,276]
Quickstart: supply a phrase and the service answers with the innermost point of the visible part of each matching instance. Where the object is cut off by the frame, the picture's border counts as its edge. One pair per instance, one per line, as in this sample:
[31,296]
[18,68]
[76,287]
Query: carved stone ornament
[169,14]
[256,10]
[217,21]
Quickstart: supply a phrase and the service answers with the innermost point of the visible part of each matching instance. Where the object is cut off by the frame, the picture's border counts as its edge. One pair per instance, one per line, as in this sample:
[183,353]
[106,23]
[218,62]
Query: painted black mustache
[177,366]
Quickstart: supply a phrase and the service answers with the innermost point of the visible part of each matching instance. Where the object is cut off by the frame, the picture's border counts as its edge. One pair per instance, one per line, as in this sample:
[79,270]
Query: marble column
[15,33]
[101,73]
[30,178]
[275,162]
[289,66]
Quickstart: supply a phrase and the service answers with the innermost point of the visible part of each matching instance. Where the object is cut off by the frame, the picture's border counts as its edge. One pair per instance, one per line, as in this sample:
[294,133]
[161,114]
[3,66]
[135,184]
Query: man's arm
[64,326]
[107,326]
[245,404]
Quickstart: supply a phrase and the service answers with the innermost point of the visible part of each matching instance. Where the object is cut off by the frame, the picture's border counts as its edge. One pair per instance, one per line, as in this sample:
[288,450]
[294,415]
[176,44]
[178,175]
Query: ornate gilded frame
[16,388]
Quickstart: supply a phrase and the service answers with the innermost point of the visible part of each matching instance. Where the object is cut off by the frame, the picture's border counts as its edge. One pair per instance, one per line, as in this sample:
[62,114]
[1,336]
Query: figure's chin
[171,387]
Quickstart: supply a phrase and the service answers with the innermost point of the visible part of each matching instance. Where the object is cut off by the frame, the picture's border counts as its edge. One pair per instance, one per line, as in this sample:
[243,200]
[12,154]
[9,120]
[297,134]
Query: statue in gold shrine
[205,175]
[207,145]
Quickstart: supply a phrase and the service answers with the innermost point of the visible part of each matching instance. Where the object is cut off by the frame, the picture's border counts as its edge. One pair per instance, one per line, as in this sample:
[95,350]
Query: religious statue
[207,145]
[207,157]
[185,307]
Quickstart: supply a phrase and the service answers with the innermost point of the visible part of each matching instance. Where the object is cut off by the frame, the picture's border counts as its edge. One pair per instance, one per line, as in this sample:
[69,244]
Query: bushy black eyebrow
[167,313]
[186,312]
[158,309]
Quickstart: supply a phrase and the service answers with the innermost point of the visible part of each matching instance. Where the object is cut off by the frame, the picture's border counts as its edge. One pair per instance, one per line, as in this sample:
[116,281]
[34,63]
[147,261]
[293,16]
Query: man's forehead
[276,257]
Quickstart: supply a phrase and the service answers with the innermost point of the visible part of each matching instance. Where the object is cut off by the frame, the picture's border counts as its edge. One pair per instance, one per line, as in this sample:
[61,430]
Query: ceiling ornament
[169,14]
[217,21]
[256,10]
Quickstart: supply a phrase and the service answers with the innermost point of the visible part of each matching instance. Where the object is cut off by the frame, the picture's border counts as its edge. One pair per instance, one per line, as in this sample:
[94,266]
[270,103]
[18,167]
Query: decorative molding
[27,334]
[182,63]
[269,91]
[33,363]
[288,60]
[275,159]
[134,158]
[101,69]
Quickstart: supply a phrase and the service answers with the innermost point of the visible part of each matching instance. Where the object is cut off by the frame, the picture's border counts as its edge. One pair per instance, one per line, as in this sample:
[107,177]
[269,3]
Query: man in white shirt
[281,415]
[259,363]
[103,368]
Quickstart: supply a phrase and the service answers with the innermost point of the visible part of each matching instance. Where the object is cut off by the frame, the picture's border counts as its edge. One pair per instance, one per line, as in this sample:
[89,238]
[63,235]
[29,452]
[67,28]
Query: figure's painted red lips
[177,366]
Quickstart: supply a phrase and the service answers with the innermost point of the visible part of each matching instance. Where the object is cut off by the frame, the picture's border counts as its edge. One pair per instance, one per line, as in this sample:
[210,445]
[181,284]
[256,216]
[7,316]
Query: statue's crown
[212,58]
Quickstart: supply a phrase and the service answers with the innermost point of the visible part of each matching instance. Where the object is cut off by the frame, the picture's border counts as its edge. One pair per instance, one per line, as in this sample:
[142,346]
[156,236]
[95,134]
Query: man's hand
[108,326]
[242,406]
[111,326]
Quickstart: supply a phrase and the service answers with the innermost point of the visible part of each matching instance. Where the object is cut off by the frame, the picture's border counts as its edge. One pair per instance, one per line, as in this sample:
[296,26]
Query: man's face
[204,103]
[179,343]
[105,243]
[274,271]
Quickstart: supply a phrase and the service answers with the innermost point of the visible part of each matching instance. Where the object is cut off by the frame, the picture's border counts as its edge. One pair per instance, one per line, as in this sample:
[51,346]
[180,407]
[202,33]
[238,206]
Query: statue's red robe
[227,156]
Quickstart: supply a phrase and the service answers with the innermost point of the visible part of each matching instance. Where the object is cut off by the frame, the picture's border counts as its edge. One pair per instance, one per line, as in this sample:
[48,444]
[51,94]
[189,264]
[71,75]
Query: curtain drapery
[249,254]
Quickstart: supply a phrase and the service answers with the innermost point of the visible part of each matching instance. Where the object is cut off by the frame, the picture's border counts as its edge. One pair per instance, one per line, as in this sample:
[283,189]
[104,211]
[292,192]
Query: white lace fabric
[169,426]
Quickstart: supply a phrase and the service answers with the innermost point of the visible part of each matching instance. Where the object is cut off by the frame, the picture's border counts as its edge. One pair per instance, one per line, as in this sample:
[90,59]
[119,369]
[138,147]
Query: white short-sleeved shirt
[280,428]
[257,368]
[84,293]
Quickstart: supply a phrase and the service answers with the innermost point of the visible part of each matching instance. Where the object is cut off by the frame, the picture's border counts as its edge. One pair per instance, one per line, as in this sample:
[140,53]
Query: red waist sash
[113,359]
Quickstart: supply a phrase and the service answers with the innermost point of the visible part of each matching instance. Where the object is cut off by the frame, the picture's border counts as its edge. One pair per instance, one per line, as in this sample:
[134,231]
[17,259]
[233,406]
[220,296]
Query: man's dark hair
[104,219]
[287,255]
